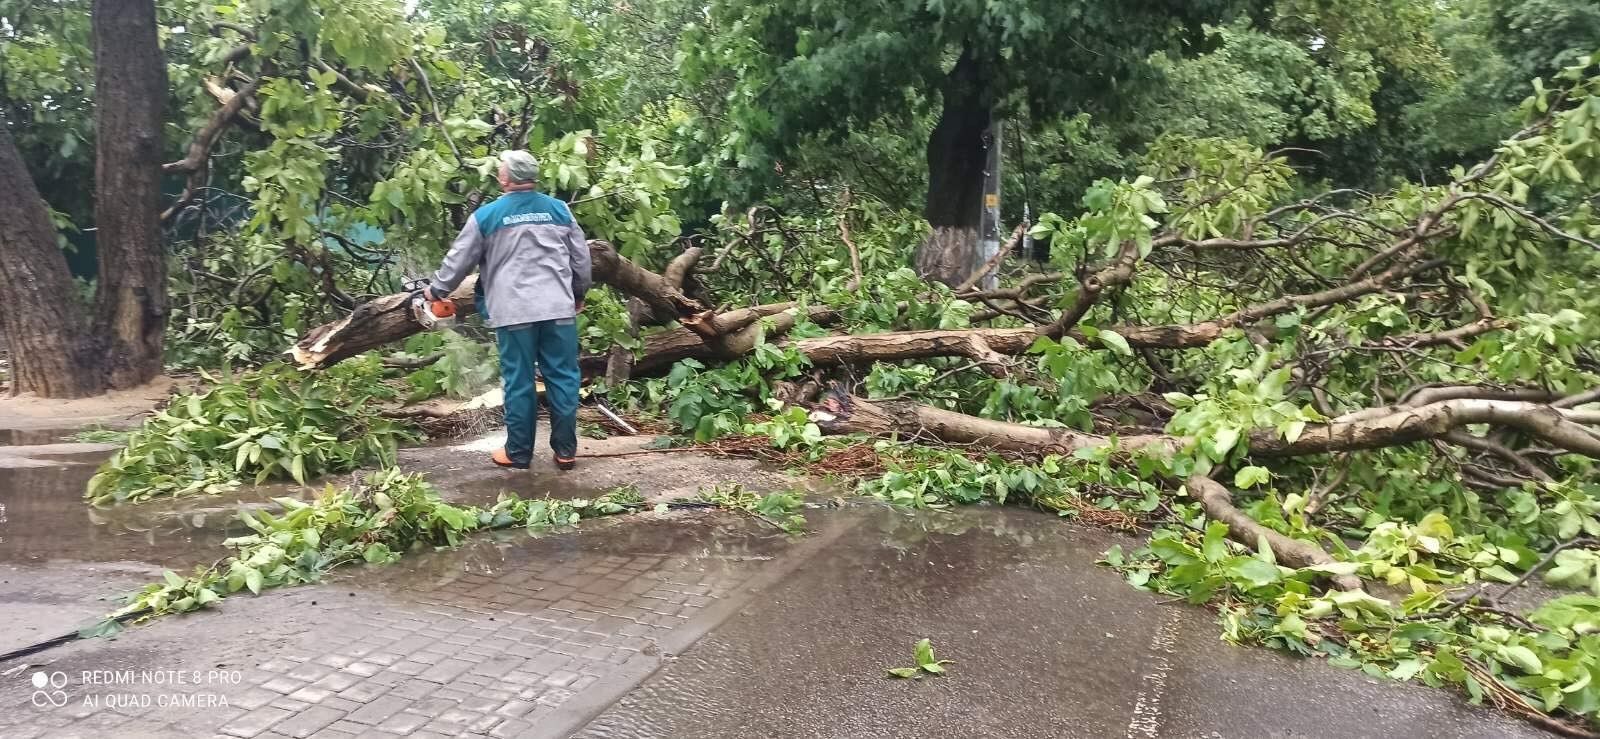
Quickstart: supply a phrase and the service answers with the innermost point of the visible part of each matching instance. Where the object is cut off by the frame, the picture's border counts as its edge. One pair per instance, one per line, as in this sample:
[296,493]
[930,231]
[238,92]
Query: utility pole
[989,222]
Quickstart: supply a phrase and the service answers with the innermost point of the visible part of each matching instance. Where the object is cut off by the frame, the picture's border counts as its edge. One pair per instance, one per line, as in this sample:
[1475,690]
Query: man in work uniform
[533,264]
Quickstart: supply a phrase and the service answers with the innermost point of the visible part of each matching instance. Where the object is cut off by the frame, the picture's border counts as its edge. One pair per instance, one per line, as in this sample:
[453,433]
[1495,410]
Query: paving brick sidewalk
[508,636]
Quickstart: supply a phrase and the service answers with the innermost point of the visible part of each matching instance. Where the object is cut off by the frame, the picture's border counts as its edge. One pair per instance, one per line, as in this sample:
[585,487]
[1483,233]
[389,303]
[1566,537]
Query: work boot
[566,464]
[500,459]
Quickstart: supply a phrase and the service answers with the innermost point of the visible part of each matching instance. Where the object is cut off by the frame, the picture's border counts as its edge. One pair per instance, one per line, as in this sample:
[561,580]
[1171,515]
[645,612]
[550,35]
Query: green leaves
[788,428]
[1107,338]
[779,509]
[252,579]
[392,512]
[1250,395]
[926,663]
[1576,568]
[1222,442]
[1253,573]
[274,423]
[926,660]
[378,553]
[1251,476]
[1214,547]
[1119,212]
[1521,658]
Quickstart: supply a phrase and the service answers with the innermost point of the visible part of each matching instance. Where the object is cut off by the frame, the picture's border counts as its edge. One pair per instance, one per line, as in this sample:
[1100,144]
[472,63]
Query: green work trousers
[551,347]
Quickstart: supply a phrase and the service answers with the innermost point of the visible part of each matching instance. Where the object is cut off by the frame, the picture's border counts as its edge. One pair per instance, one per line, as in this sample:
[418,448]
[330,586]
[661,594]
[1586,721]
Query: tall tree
[807,66]
[45,325]
[55,348]
[1539,37]
[130,94]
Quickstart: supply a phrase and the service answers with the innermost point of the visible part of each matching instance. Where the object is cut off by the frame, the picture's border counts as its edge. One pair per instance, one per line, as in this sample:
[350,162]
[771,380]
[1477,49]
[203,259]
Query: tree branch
[1218,505]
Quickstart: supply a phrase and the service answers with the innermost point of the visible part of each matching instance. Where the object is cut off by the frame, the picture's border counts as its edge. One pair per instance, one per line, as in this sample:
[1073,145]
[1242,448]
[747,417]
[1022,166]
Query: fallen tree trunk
[984,346]
[1218,505]
[734,335]
[666,301]
[900,419]
[388,319]
[711,336]
[619,362]
[1567,429]
[1561,427]
[370,325]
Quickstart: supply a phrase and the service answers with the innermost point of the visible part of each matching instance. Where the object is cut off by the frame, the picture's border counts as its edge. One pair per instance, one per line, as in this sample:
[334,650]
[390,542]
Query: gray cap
[520,165]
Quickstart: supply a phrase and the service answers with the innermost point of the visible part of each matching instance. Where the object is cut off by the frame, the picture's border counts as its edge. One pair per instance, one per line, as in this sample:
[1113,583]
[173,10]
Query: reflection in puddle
[46,519]
[702,541]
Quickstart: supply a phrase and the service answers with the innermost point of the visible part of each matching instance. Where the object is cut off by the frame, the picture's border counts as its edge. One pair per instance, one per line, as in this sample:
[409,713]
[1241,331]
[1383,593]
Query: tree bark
[848,414]
[1563,428]
[667,303]
[388,319]
[955,156]
[987,347]
[1218,505]
[130,94]
[619,365]
[43,322]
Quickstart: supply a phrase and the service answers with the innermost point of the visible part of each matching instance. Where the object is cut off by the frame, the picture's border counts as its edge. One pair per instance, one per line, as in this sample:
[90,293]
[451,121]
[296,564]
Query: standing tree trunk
[130,92]
[956,157]
[43,321]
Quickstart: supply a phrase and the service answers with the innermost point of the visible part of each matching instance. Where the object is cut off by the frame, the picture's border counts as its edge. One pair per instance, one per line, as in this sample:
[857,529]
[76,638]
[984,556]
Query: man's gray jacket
[532,259]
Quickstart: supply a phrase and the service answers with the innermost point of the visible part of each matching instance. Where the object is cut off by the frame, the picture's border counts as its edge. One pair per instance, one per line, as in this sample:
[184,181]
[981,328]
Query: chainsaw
[432,314]
[584,394]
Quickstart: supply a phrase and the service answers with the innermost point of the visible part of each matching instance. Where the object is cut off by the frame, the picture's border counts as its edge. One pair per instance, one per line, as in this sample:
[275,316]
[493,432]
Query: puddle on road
[1013,596]
[44,518]
[494,566]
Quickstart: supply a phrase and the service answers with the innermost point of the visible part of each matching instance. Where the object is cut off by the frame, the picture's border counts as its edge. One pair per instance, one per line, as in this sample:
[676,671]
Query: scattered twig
[1582,541]
[844,235]
[994,261]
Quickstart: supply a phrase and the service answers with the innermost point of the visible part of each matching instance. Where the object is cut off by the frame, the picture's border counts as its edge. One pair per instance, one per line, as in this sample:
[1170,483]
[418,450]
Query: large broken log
[619,361]
[370,325]
[986,347]
[666,301]
[388,319]
[734,335]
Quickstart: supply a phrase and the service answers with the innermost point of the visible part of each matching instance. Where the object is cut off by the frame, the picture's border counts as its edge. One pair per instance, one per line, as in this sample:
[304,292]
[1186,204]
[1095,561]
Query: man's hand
[580,306]
[427,293]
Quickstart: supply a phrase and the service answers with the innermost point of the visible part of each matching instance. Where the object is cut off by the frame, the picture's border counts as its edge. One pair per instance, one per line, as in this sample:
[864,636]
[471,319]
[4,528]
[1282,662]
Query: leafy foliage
[274,423]
[710,403]
[377,522]
[464,368]
[778,509]
[926,663]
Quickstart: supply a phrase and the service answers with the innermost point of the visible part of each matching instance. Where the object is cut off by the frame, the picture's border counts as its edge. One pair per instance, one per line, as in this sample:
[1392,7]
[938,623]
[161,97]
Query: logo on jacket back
[515,219]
